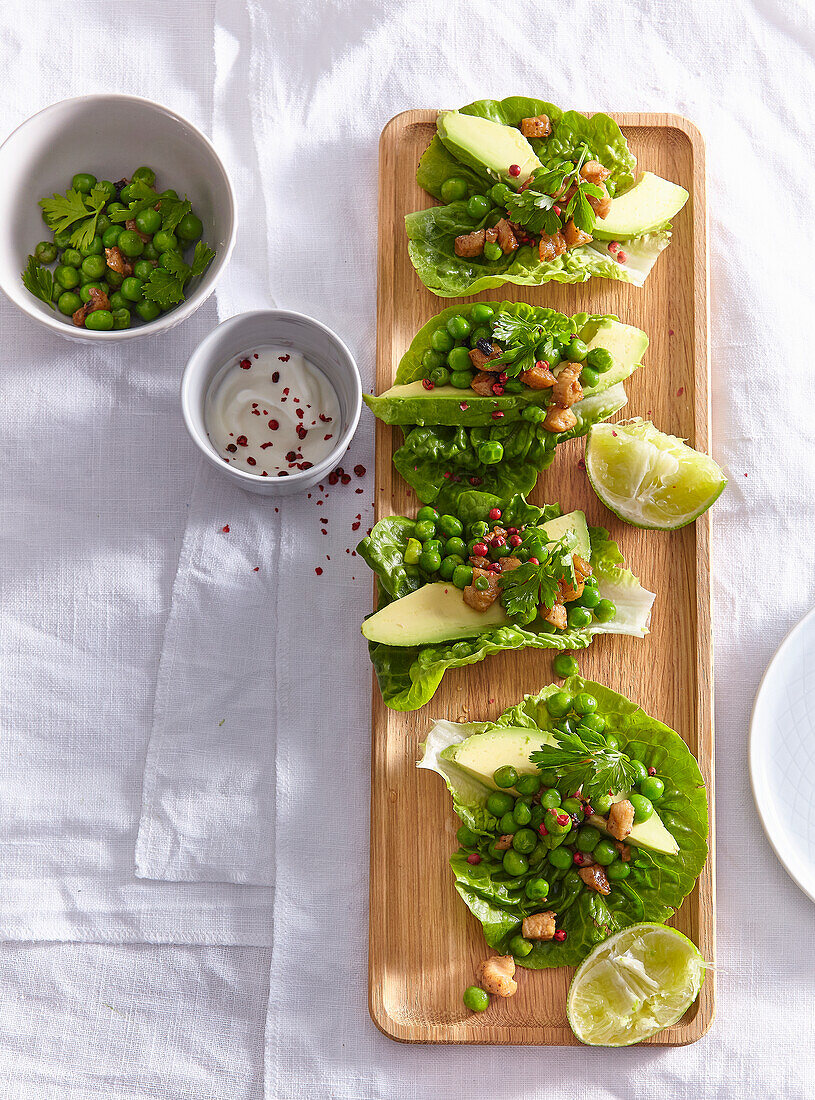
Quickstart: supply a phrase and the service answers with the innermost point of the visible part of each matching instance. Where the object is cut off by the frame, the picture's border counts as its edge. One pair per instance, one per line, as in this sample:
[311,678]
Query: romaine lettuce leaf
[657,883]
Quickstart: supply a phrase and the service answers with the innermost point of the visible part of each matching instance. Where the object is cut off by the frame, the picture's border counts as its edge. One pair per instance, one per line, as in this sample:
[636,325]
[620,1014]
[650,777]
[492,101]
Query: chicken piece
[624,850]
[470,244]
[480,359]
[601,206]
[555,615]
[573,236]
[538,126]
[569,592]
[482,598]
[540,926]
[549,248]
[538,378]
[97,300]
[567,390]
[495,975]
[621,819]
[581,567]
[506,237]
[116,261]
[479,562]
[508,564]
[503,843]
[482,384]
[595,878]
[131,224]
[490,235]
[594,172]
[558,419]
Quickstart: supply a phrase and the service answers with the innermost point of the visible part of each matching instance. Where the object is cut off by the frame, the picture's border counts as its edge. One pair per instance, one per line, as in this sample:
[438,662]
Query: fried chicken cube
[555,615]
[601,206]
[569,592]
[595,878]
[549,248]
[490,235]
[621,819]
[97,300]
[480,359]
[495,975]
[573,236]
[478,598]
[507,240]
[482,384]
[567,390]
[116,261]
[595,172]
[538,126]
[558,419]
[540,926]
[510,563]
[470,244]
[624,850]
[538,378]
[503,843]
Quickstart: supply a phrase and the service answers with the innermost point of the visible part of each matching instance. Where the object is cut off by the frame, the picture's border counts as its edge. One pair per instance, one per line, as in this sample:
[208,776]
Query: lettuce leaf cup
[581,815]
[532,194]
[486,391]
[496,576]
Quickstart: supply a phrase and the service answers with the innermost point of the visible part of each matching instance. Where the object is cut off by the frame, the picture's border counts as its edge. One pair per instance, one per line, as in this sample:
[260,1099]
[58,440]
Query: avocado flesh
[482,144]
[649,204]
[645,834]
[573,523]
[484,753]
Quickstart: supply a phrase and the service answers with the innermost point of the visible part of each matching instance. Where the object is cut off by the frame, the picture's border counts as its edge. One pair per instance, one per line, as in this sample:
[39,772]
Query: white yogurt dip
[272,412]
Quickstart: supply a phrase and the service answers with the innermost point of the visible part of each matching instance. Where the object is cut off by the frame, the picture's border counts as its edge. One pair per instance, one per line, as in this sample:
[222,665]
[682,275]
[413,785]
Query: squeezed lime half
[648,478]
[633,985]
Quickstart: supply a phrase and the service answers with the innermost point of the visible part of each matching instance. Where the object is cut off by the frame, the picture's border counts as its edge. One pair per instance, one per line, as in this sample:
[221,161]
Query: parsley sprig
[143,196]
[529,586]
[534,206]
[582,759]
[39,281]
[526,341]
[75,211]
[165,286]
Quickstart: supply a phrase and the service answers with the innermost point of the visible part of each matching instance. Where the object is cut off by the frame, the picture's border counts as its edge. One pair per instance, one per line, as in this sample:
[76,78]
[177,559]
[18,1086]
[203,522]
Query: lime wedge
[633,985]
[650,479]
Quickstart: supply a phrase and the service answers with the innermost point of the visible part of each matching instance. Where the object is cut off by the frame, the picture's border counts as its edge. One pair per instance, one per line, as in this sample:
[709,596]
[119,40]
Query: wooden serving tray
[424,944]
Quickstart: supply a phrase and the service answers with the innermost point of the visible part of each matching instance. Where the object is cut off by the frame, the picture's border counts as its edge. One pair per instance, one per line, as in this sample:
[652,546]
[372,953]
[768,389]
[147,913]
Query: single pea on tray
[121,249]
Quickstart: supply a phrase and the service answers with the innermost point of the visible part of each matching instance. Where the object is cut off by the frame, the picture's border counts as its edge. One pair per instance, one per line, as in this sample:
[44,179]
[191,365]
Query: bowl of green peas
[117,218]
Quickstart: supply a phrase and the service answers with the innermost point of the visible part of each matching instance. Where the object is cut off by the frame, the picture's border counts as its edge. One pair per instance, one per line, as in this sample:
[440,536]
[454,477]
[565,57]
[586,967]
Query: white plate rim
[752,748]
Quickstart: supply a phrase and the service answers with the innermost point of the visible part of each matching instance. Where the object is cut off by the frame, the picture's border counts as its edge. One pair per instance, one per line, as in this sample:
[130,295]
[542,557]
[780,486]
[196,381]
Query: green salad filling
[580,815]
[457,587]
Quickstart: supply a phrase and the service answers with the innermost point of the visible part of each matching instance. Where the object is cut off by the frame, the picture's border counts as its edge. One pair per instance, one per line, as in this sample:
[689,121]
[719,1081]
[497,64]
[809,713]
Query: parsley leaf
[584,760]
[75,211]
[172,211]
[174,263]
[142,196]
[534,206]
[39,281]
[202,257]
[525,341]
[164,288]
[529,586]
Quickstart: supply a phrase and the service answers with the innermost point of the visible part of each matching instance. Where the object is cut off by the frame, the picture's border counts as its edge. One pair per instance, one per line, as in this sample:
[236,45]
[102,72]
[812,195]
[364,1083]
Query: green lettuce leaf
[383,551]
[657,883]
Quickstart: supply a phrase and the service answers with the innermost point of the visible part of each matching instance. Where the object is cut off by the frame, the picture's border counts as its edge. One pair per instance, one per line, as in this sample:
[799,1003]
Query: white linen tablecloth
[101,489]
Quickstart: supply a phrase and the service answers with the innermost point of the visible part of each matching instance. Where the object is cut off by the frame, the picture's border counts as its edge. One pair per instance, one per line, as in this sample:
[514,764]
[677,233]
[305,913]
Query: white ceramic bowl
[240,336]
[111,136]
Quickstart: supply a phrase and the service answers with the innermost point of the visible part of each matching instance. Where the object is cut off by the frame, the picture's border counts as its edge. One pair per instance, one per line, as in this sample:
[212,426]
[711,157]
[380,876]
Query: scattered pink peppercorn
[473,858]
[563,819]
[652,771]
[514,170]
[543,830]
[480,549]
[622,257]
[560,935]
[534,561]
[578,858]
[515,540]
[498,415]
[497,389]
[556,209]
[542,364]
[498,540]
[495,513]
[428,385]
[464,406]
[614,246]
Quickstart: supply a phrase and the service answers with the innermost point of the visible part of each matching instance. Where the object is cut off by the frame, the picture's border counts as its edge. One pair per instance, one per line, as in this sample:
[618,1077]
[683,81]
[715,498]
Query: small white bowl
[243,334]
[111,136]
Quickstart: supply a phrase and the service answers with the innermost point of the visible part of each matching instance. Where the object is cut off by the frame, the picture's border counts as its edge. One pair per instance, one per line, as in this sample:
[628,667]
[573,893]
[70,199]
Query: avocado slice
[485,145]
[645,834]
[484,753]
[573,523]
[626,344]
[649,204]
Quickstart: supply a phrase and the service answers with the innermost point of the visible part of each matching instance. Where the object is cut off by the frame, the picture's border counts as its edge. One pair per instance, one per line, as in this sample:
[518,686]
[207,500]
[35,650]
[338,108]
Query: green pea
[145,174]
[189,228]
[640,771]
[500,803]
[63,238]
[478,529]
[83,182]
[555,824]
[600,360]
[612,742]
[576,350]
[463,576]
[165,241]
[594,721]
[121,318]
[559,704]
[550,799]
[449,564]
[101,320]
[501,194]
[442,341]
[115,208]
[479,333]
[459,359]
[433,546]
[453,189]
[466,837]
[492,251]
[108,187]
[150,251]
[508,825]
[478,206]
[537,889]
[524,840]
[605,611]
[102,223]
[561,858]
[573,807]
[126,193]
[522,813]
[72,257]
[584,703]
[505,776]
[589,598]
[602,804]
[68,302]
[143,269]
[148,311]
[476,999]
[170,193]
[429,561]
[565,666]
[528,784]
[481,584]
[533,414]
[643,808]
[118,301]
[515,863]
[46,252]
[618,870]
[111,236]
[481,313]
[132,289]
[588,378]
[95,248]
[653,788]
[66,277]
[450,526]
[430,360]
[458,326]
[425,530]
[578,617]
[94,266]
[587,838]
[456,545]
[130,243]
[604,853]
[427,512]
[148,220]
[461,379]
[85,290]
[519,947]
[490,453]
[440,376]
[554,354]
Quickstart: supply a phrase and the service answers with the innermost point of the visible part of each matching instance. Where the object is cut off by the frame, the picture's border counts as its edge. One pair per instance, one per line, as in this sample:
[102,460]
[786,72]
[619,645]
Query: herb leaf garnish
[525,341]
[534,206]
[75,211]
[165,286]
[524,589]
[584,760]
[39,281]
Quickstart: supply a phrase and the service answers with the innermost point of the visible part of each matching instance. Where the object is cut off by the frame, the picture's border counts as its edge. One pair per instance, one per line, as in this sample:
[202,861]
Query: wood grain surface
[424,944]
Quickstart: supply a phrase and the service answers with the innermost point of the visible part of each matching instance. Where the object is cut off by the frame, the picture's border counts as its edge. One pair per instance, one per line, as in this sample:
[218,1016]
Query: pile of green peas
[447,360]
[80,270]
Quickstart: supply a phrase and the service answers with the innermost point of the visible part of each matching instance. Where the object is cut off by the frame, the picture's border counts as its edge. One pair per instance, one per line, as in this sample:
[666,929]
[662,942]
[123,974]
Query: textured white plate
[782,753]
